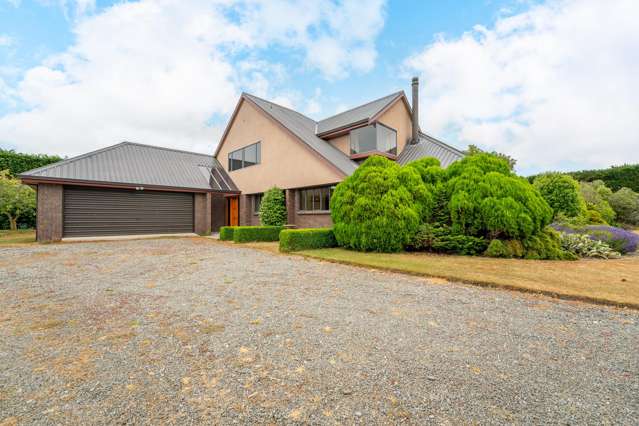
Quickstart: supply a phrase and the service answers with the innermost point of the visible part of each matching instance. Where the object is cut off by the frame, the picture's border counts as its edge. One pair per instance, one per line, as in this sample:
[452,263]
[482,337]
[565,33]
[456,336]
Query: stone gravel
[191,331]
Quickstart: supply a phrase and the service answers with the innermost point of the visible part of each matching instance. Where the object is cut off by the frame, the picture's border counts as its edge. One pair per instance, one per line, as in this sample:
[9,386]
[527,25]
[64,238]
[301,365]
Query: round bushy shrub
[486,199]
[562,194]
[506,248]
[546,245]
[380,206]
[441,240]
[625,203]
[599,210]
[273,208]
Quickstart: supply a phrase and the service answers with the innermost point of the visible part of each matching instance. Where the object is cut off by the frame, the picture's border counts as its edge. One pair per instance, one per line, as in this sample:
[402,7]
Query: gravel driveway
[187,331]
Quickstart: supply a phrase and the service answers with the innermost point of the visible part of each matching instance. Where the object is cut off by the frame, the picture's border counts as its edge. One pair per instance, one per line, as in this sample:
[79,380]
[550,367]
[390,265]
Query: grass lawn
[614,282]
[21,236]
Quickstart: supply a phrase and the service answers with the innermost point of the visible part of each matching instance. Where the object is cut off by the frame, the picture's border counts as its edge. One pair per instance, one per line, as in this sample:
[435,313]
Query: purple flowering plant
[618,239]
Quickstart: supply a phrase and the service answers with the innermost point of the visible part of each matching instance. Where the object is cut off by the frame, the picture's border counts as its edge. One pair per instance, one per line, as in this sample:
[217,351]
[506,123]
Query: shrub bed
[581,245]
[618,239]
[245,234]
[305,239]
[226,233]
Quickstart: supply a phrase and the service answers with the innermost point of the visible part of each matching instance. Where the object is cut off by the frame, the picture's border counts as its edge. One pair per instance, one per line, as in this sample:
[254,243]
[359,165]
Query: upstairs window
[244,157]
[373,138]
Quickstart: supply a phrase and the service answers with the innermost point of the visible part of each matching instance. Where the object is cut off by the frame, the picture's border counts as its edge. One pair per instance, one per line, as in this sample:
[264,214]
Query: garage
[130,189]
[99,212]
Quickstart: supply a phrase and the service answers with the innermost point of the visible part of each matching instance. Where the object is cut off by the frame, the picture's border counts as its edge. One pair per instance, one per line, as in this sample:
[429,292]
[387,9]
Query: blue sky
[515,76]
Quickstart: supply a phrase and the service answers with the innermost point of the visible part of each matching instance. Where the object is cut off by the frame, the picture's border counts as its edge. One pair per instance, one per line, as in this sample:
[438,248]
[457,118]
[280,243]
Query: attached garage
[129,189]
[98,212]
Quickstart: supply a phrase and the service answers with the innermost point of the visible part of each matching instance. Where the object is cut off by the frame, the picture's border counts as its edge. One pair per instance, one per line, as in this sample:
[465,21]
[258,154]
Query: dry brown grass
[21,236]
[614,282]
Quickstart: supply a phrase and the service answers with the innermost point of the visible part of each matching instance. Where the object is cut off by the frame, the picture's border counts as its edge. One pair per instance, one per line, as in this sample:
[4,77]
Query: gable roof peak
[358,114]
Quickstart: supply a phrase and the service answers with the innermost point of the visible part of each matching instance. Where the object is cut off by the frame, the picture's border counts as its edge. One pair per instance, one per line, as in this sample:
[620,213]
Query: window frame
[242,159]
[375,126]
[256,202]
[303,199]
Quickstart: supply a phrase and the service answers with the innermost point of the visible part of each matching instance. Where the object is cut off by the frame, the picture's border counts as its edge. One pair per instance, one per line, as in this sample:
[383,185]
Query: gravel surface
[188,331]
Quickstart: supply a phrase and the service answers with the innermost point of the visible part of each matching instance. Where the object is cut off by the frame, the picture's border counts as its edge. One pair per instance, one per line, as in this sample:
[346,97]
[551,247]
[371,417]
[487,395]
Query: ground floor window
[315,199]
[257,202]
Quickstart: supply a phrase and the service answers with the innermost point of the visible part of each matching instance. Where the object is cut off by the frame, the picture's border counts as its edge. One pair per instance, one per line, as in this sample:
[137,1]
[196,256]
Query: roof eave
[343,129]
[339,131]
[229,124]
[35,180]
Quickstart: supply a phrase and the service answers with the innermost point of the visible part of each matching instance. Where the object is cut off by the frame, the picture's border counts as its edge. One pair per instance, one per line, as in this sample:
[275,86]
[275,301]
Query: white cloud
[313,104]
[5,40]
[555,87]
[336,37]
[169,72]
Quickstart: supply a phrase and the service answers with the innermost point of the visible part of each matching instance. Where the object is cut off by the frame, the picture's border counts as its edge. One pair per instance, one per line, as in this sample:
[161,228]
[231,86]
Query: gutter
[34,180]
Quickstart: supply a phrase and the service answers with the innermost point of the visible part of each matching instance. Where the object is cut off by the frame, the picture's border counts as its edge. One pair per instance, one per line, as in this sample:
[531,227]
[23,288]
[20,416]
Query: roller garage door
[98,212]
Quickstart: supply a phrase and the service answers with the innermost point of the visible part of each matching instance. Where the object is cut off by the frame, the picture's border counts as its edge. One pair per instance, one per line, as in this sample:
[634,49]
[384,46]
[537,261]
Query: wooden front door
[234,211]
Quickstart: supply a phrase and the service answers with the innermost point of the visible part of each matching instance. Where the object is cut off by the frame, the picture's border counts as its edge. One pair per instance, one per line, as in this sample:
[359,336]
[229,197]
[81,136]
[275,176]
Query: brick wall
[247,218]
[49,222]
[313,220]
[301,220]
[290,206]
[202,213]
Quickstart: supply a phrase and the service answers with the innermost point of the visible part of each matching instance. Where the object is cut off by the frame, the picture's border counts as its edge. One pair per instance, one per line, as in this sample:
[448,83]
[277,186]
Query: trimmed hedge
[226,233]
[304,239]
[17,162]
[615,177]
[245,234]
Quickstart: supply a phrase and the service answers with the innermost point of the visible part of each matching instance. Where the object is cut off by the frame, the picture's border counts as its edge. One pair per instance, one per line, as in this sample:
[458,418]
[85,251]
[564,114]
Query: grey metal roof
[428,146]
[358,114]
[138,164]
[304,128]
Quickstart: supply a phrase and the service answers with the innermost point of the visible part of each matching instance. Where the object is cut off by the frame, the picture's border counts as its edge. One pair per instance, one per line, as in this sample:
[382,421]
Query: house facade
[266,145]
[132,189]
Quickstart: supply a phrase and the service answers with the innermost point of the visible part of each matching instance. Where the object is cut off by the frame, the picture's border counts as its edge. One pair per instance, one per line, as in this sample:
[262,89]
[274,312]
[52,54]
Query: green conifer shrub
[273,208]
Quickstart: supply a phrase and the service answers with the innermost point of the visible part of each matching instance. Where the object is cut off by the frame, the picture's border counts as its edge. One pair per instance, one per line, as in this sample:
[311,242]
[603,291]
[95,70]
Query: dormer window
[376,137]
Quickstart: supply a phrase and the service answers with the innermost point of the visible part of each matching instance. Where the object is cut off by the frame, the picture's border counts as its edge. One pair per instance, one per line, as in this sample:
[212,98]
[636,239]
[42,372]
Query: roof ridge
[394,94]
[280,106]
[162,147]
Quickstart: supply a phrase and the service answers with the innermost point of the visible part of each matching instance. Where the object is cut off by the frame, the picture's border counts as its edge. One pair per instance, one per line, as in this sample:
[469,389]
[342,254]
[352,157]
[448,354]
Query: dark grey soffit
[138,164]
[428,146]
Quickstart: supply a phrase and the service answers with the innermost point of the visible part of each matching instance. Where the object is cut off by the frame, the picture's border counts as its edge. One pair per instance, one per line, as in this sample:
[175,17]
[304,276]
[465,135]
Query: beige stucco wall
[286,162]
[342,143]
[398,117]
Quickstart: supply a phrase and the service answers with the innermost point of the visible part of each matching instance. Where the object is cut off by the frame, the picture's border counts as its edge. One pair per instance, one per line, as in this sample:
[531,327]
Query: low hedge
[305,239]
[226,233]
[245,234]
